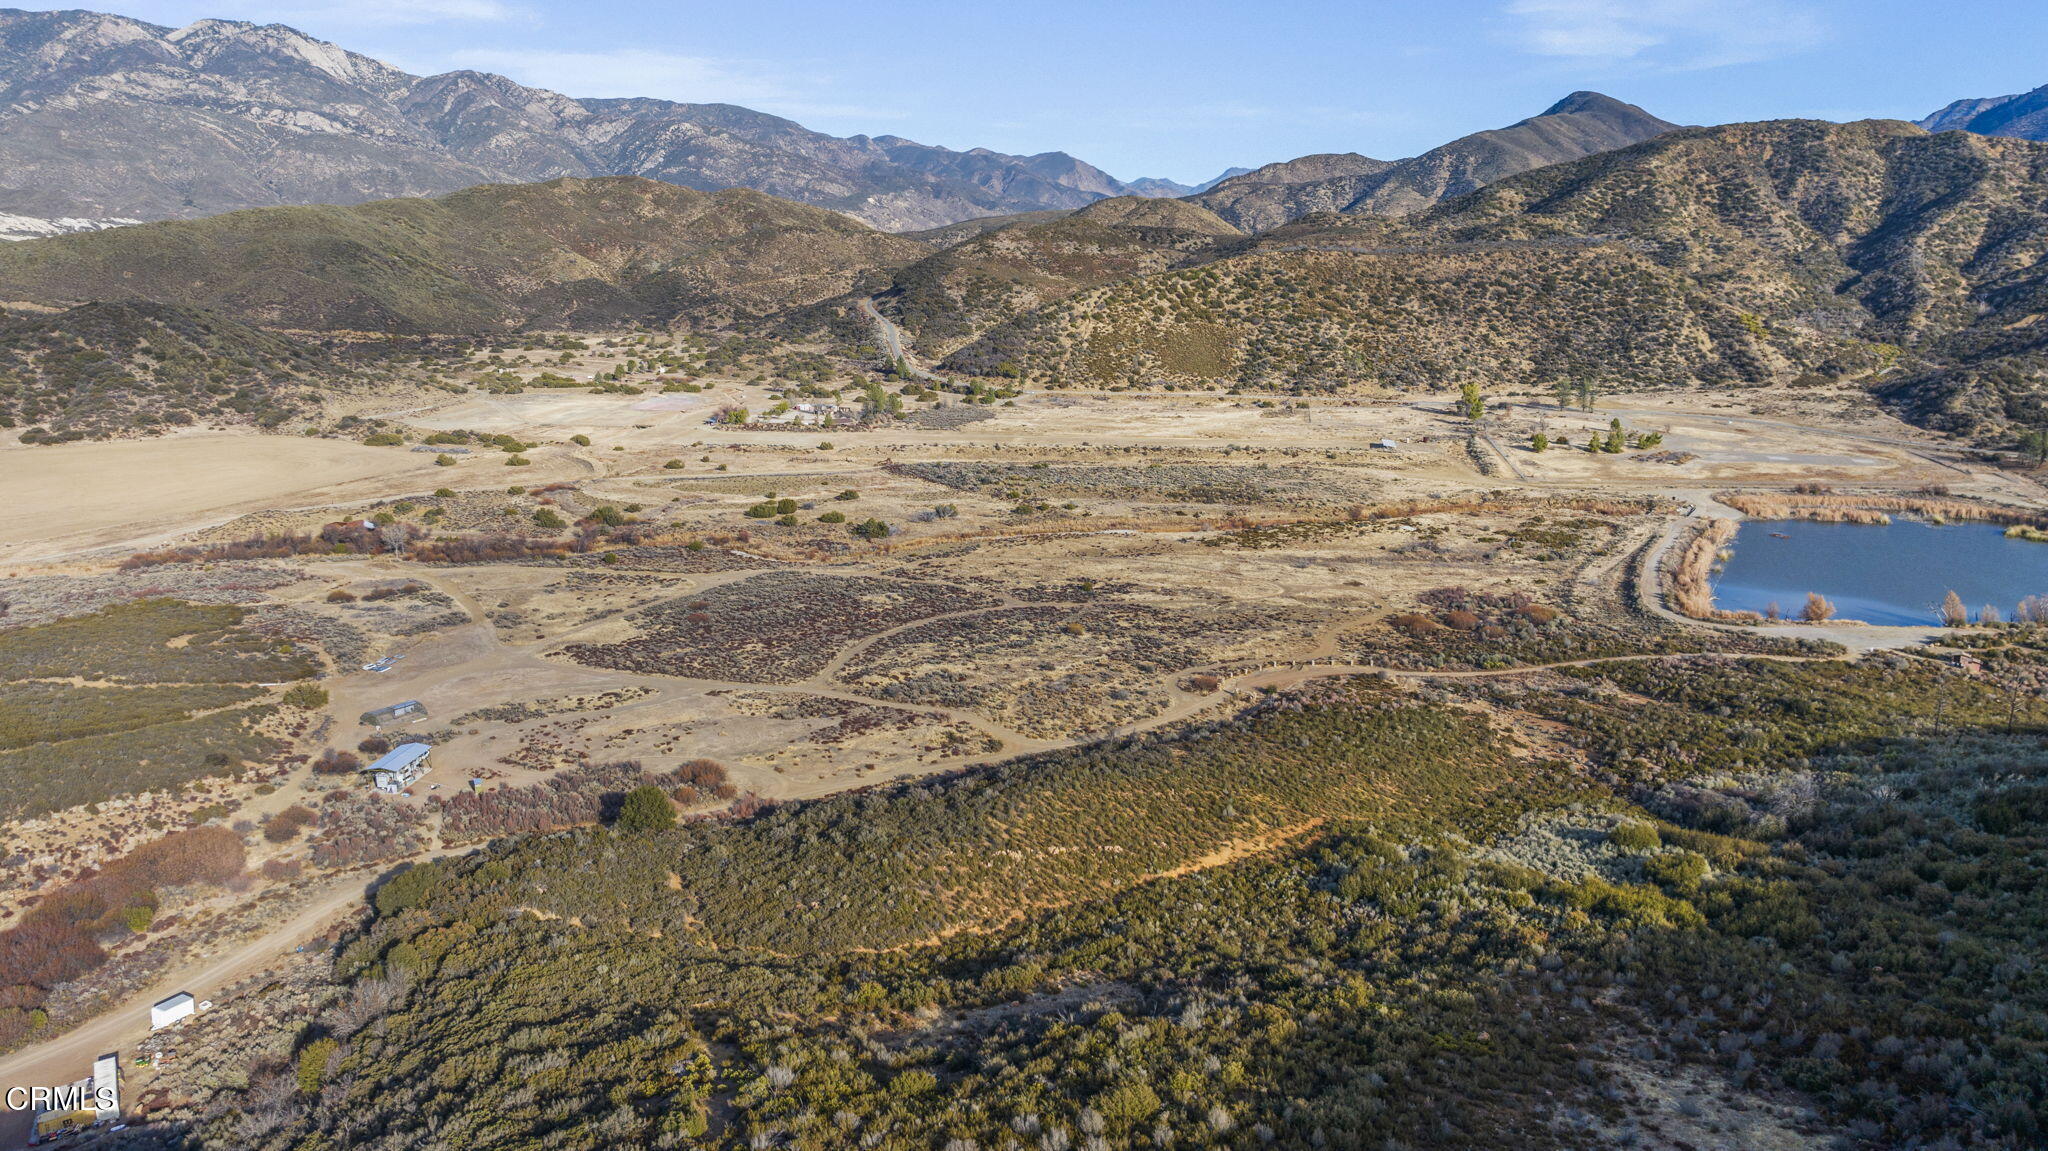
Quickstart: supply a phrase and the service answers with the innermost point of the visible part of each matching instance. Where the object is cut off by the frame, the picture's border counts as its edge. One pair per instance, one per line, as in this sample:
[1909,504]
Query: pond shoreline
[1888,573]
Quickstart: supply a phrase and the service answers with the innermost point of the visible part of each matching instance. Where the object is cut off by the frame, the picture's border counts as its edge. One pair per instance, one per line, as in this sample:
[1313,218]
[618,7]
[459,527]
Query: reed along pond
[1894,573]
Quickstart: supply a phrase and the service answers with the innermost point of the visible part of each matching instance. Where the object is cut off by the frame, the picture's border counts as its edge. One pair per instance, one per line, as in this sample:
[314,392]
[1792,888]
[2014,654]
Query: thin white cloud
[1671,34]
[388,13]
[669,76]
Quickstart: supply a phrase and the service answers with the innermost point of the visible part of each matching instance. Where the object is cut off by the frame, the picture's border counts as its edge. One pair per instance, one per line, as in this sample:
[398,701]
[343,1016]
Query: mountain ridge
[2023,115]
[591,252]
[1582,123]
[99,115]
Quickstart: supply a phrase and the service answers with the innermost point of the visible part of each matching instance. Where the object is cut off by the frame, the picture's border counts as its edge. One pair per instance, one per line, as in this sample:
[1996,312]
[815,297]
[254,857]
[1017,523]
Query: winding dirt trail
[69,1056]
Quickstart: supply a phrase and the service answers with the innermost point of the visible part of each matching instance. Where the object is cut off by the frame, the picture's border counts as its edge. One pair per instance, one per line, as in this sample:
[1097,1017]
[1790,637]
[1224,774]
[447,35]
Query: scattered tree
[1471,402]
[1952,611]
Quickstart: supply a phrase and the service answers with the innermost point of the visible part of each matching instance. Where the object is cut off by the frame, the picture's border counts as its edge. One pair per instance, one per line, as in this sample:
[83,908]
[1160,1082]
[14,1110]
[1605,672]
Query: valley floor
[1071,569]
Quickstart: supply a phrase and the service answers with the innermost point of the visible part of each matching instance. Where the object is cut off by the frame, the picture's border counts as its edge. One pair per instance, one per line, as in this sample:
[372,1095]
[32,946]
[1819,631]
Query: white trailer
[171,1010]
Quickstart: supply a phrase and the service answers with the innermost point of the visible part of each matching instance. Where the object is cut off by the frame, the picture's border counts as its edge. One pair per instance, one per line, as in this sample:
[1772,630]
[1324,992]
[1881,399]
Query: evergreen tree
[1470,402]
[645,809]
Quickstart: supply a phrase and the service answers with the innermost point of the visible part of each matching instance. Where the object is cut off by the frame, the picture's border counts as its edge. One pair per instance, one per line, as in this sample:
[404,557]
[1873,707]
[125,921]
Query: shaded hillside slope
[2023,115]
[106,369]
[584,253]
[954,295]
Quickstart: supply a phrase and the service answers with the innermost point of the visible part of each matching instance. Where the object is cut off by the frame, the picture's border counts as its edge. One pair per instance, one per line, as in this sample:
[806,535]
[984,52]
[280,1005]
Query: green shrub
[307,696]
[313,1060]
[1679,872]
[137,918]
[1635,837]
[913,1083]
[645,809]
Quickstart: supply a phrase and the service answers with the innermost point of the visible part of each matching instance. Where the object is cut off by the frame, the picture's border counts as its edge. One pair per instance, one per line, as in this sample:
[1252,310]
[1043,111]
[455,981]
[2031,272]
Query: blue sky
[1184,88]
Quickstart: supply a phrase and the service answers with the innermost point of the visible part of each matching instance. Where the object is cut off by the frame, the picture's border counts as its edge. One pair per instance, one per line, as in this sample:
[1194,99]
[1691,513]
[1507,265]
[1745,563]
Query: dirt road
[69,1056]
[892,337]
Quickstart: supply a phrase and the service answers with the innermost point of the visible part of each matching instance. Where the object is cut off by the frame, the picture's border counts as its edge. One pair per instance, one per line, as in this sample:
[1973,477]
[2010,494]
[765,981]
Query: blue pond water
[1889,574]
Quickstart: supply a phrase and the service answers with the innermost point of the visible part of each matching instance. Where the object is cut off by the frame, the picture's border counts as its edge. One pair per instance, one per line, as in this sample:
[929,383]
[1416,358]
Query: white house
[171,1010]
[400,767]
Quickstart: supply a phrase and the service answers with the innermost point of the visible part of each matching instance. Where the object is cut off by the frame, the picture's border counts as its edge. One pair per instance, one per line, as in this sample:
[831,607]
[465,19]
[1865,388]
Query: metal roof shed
[399,767]
[406,711]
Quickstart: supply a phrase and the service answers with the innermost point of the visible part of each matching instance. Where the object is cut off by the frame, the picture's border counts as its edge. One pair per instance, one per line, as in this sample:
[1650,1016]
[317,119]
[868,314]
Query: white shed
[171,1010]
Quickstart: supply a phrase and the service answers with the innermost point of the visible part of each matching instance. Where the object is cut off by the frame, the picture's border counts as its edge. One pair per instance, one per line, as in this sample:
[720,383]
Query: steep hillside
[2024,115]
[952,296]
[1745,254]
[1273,930]
[1581,124]
[951,234]
[104,116]
[105,369]
[1280,192]
[569,252]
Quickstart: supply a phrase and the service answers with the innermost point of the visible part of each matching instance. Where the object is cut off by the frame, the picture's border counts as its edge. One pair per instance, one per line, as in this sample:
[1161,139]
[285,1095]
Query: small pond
[1880,573]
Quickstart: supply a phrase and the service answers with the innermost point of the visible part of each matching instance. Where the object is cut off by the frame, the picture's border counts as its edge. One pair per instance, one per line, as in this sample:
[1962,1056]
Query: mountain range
[2024,116]
[1594,240]
[104,118]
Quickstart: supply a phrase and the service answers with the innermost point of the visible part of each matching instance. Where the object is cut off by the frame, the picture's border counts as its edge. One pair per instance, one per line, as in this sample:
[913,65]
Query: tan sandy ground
[134,493]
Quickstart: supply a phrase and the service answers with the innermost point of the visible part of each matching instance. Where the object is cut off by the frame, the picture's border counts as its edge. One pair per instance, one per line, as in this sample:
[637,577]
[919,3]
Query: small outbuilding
[409,711]
[400,767]
[171,1010]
